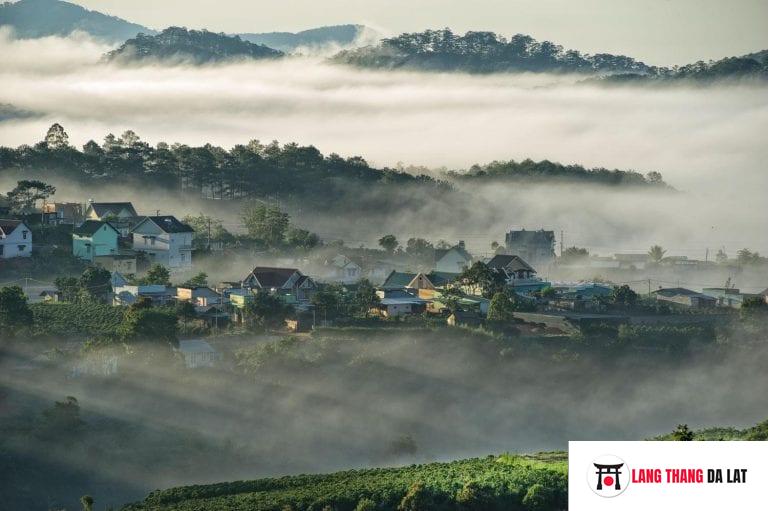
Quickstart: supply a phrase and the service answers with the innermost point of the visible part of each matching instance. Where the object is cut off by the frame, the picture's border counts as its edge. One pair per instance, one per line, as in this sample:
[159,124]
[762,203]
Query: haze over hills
[41,18]
[337,35]
[488,52]
[196,46]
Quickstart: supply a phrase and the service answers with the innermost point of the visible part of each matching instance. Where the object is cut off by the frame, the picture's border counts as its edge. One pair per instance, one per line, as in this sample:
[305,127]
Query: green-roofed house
[94,238]
[421,281]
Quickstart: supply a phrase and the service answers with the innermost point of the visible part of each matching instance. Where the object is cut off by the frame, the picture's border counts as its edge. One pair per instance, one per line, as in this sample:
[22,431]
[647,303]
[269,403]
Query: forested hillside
[731,68]
[488,52]
[506,482]
[195,46]
[532,171]
[256,170]
[41,18]
[483,52]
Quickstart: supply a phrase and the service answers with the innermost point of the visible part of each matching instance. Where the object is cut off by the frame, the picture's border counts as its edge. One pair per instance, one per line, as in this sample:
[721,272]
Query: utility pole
[649,287]
[561,243]
[208,247]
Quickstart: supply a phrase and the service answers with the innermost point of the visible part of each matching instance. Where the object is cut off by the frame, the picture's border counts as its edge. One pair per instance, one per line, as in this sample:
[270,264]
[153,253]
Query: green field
[509,482]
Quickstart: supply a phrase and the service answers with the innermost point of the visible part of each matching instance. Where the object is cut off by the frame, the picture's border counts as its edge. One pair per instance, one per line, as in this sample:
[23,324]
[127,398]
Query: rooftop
[90,227]
[107,208]
[272,277]
[8,226]
[169,224]
[510,263]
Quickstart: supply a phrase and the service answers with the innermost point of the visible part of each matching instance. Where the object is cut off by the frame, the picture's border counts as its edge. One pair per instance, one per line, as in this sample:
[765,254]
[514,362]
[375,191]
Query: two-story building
[519,275]
[57,213]
[342,269]
[15,239]
[537,247]
[288,283]
[165,240]
[452,260]
[122,215]
[93,238]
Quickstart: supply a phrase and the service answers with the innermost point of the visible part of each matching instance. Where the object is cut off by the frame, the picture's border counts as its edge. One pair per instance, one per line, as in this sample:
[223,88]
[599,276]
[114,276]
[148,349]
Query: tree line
[483,52]
[246,171]
[488,52]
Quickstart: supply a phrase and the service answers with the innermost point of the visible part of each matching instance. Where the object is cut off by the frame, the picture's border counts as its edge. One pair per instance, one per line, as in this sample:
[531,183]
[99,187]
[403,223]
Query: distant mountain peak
[193,46]
[42,18]
[334,36]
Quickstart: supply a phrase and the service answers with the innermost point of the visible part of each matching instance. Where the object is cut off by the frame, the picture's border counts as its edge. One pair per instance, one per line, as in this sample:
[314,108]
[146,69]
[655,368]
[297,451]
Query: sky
[660,32]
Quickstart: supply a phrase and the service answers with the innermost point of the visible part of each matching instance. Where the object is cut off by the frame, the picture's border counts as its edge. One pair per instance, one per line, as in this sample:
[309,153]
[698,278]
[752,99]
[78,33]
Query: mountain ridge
[41,18]
[196,46]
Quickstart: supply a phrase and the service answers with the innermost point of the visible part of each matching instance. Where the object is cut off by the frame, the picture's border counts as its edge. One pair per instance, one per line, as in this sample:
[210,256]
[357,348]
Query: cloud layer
[708,142]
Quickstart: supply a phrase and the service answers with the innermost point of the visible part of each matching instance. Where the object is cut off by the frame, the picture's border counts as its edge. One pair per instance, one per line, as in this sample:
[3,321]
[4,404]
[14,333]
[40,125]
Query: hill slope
[487,52]
[41,18]
[483,52]
[195,46]
[503,482]
[747,68]
[337,35]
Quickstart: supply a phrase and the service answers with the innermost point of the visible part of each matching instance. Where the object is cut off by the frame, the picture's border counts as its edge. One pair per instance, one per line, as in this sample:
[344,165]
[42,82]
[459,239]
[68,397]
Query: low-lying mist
[351,399]
[708,141]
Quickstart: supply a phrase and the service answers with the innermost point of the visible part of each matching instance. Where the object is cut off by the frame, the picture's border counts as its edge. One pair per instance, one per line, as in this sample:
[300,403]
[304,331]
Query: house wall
[452,262]
[102,243]
[173,250]
[17,244]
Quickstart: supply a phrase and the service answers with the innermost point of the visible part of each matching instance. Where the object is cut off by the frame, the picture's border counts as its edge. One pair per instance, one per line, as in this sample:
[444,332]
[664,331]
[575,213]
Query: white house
[157,293]
[122,215]
[453,260]
[165,240]
[343,269]
[15,239]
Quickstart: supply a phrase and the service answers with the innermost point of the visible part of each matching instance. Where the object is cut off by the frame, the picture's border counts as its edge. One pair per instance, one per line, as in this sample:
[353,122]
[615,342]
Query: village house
[202,296]
[157,294]
[519,274]
[727,296]
[59,213]
[165,240]
[288,283]
[398,303]
[424,284]
[342,269]
[94,238]
[452,260]
[538,247]
[464,318]
[15,239]
[584,291]
[685,297]
[121,215]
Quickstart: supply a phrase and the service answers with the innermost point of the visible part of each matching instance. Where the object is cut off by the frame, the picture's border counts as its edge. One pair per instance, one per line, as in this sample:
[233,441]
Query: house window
[152,241]
[2,249]
[22,247]
[24,234]
[183,257]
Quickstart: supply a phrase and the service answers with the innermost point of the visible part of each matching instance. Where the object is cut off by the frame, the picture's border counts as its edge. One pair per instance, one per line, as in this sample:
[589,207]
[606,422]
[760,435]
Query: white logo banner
[628,476]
